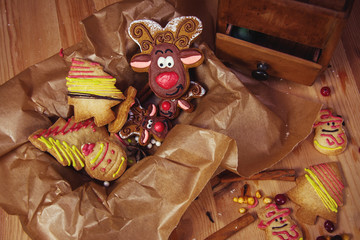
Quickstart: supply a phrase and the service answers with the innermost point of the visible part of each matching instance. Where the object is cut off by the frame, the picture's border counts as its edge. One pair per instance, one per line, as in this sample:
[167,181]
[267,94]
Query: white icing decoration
[154,27]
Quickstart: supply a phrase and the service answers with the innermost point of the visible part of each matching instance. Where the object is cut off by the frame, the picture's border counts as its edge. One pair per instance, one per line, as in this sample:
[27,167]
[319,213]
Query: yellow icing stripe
[78,155]
[64,150]
[326,148]
[51,144]
[103,88]
[96,86]
[80,86]
[86,82]
[105,94]
[90,80]
[98,154]
[325,197]
[71,152]
[122,161]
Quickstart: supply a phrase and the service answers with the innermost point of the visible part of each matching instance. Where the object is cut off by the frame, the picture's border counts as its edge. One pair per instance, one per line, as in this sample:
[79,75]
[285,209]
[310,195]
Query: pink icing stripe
[333,175]
[80,67]
[287,234]
[94,64]
[330,177]
[81,71]
[75,127]
[106,149]
[77,62]
[338,190]
[324,181]
[88,76]
[334,141]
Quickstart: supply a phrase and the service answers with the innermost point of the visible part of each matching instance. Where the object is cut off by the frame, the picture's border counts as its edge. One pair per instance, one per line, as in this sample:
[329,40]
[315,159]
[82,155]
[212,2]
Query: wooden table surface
[34,30]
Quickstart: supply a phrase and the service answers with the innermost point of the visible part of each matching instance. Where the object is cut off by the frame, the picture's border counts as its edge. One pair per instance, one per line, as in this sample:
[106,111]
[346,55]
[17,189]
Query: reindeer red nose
[167,80]
[159,127]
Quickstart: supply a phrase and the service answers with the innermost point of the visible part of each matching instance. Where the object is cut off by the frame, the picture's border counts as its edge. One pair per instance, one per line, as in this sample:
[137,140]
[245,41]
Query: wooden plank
[341,77]
[29,33]
[69,14]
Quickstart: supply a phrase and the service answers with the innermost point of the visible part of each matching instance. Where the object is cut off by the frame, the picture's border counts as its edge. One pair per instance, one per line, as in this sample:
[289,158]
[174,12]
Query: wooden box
[287,39]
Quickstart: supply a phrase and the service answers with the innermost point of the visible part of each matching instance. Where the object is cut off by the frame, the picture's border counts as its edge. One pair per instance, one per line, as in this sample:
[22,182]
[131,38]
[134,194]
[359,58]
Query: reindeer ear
[191,56]
[140,62]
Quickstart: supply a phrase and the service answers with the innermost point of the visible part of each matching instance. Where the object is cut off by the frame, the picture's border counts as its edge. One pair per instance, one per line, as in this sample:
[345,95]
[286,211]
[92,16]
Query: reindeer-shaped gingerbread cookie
[145,124]
[166,56]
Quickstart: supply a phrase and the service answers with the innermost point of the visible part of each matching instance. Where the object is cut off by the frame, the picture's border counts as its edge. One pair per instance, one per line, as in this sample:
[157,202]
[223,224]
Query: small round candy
[106,184]
[329,226]
[280,199]
[166,105]
[325,91]
[159,127]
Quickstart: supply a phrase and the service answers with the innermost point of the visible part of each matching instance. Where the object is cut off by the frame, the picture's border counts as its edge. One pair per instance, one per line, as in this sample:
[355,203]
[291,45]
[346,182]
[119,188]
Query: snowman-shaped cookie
[278,224]
[330,137]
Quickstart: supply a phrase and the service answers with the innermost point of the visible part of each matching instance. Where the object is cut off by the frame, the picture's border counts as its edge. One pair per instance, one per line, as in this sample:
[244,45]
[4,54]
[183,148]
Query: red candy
[325,91]
[166,105]
[280,199]
[159,127]
[329,226]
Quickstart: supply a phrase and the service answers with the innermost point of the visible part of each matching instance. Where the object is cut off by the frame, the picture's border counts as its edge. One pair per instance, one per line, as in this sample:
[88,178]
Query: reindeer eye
[149,125]
[161,62]
[169,61]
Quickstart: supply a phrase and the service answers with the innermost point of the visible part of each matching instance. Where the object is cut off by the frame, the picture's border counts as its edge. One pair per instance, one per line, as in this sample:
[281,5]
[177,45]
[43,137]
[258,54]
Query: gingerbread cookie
[92,92]
[330,137]
[104,160]
[318,193]
[278,224]
[166,56]
[122,110]
[64,139]
[146,124]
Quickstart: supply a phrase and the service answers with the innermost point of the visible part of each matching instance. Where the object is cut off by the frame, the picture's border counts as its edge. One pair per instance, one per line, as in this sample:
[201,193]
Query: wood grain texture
[33,30]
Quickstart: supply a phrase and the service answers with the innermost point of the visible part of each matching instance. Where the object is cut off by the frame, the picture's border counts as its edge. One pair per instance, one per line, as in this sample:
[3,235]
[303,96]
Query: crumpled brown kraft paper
[245,128]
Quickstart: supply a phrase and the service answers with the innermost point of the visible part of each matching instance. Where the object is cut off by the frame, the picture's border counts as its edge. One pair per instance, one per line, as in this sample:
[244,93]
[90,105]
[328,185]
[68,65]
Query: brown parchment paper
[239,124]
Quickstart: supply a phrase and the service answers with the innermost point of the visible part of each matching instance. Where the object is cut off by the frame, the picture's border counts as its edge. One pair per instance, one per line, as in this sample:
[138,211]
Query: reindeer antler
[188,28]
[140,32]
[179,31]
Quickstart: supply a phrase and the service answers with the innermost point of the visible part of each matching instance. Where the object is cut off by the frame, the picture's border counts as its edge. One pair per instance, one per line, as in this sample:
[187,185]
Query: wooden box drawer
[280,64]
[295,38]
[287,19]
